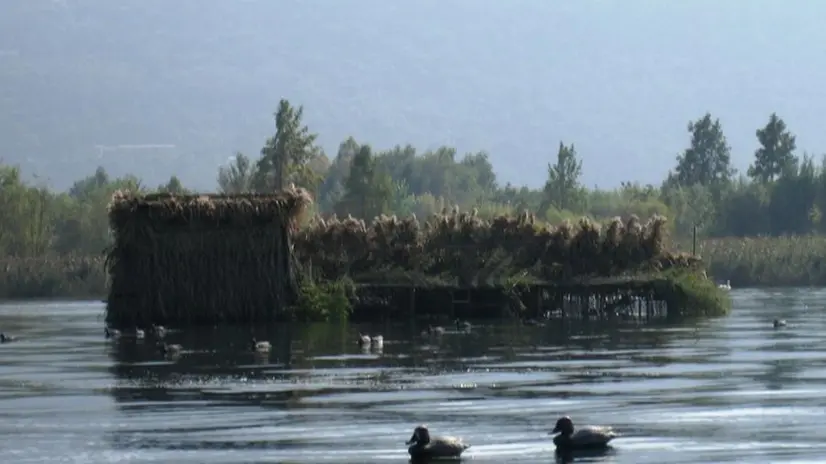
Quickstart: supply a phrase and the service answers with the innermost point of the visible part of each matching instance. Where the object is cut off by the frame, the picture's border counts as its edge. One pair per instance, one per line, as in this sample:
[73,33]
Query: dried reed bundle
[459,243]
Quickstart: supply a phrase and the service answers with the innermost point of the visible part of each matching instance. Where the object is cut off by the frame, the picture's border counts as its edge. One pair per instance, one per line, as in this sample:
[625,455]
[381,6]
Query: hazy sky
[619,79]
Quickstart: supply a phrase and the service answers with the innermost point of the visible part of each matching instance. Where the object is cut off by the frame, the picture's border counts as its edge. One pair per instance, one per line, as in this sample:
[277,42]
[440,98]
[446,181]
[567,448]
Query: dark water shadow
[595,455]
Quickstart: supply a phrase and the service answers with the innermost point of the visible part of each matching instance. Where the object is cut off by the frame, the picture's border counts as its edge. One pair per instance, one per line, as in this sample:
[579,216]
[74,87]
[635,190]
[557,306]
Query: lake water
[726,390]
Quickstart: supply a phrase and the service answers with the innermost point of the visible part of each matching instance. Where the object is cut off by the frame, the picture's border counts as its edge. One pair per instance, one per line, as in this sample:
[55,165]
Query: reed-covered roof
[163,210]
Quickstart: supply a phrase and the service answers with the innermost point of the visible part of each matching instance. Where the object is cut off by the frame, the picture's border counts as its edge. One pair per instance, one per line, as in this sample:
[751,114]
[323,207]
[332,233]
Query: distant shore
[53,277]
[766,262]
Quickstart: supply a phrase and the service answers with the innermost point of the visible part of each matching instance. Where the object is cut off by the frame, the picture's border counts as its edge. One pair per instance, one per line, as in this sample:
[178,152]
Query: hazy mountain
[619,79]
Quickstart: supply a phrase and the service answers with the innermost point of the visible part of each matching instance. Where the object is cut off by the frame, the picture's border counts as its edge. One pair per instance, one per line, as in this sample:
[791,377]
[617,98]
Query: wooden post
[694,240]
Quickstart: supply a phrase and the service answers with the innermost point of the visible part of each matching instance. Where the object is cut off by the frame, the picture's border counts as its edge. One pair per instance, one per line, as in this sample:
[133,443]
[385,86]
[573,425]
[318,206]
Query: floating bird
[6,338]
[779,323]
[139,333]
[169,349]
[588,437]
[377,341]
[462,326]
[111,333]
[261,347]
[437,330]
[423,446]
[159,331]
[366,341]
[725,286]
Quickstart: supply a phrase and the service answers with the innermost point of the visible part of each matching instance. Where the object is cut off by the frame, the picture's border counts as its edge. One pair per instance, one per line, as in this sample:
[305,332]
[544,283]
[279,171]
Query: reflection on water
[726,390]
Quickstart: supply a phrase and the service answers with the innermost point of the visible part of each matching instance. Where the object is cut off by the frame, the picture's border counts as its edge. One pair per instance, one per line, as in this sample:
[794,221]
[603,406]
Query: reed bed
[52,277]
[463,249]
[201,259]
[767,261]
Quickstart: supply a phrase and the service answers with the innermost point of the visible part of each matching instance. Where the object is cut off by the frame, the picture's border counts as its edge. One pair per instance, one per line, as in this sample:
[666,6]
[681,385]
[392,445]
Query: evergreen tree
[562,187]
[367,191]
[287,155]
[776,150]
[707,160]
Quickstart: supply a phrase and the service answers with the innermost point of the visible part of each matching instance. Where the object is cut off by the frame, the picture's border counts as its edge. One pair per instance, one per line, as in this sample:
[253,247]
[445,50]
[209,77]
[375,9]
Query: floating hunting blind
[216,259]
[191,260]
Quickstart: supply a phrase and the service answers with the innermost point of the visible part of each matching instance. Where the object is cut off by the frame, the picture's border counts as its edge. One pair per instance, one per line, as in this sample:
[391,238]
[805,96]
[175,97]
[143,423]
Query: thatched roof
[163,210]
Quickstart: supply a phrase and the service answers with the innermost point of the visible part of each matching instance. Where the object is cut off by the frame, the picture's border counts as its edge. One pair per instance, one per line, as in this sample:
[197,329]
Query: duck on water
[433,330]
[168,349]
[425,446]
[376,341]
[260,346]
[584,438]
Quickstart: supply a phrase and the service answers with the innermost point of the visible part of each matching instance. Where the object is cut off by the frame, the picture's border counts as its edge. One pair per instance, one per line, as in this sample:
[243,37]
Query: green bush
[323,301]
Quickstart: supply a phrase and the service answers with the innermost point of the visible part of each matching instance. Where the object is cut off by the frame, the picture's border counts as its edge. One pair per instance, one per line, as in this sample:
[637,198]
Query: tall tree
[367,191]
[238,176]
[562,188]
[331,189]
[288,155]
[776,150]
[707,160]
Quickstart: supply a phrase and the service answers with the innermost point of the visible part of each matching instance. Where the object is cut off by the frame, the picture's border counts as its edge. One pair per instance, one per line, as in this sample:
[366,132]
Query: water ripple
[727,390]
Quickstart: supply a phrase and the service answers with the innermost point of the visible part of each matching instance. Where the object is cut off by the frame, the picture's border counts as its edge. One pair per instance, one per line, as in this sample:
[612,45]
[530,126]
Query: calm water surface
[725,390]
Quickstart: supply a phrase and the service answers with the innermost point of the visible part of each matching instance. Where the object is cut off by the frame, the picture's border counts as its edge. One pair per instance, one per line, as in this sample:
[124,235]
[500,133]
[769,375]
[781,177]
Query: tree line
[781,193]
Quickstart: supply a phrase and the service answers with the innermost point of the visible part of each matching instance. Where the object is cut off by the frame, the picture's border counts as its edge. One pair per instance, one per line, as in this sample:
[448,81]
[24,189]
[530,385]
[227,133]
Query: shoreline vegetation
[761,228]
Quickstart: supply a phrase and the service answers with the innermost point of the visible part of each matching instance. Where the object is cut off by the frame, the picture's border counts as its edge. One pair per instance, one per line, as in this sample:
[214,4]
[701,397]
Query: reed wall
[201,259]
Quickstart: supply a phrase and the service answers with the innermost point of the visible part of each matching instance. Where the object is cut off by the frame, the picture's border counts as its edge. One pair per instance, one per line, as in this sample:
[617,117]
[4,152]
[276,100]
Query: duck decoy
[462,326]
[377,341]
[6,338]
[779,323]
[166,348]
[588,437]
[159,331]
[423,446]
[111,333]
[261,347]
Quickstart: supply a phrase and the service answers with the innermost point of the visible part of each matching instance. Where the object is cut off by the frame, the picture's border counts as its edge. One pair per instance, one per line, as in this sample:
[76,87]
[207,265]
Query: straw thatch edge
[240,210]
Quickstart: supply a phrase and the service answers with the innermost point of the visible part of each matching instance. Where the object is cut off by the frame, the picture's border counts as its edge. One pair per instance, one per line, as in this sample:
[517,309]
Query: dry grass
[475,250]
[162,211]
[52,277]
[767,261]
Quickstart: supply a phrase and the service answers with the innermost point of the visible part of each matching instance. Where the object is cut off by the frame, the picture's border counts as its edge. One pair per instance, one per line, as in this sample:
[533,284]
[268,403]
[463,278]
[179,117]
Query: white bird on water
[725,286]
[376,341]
